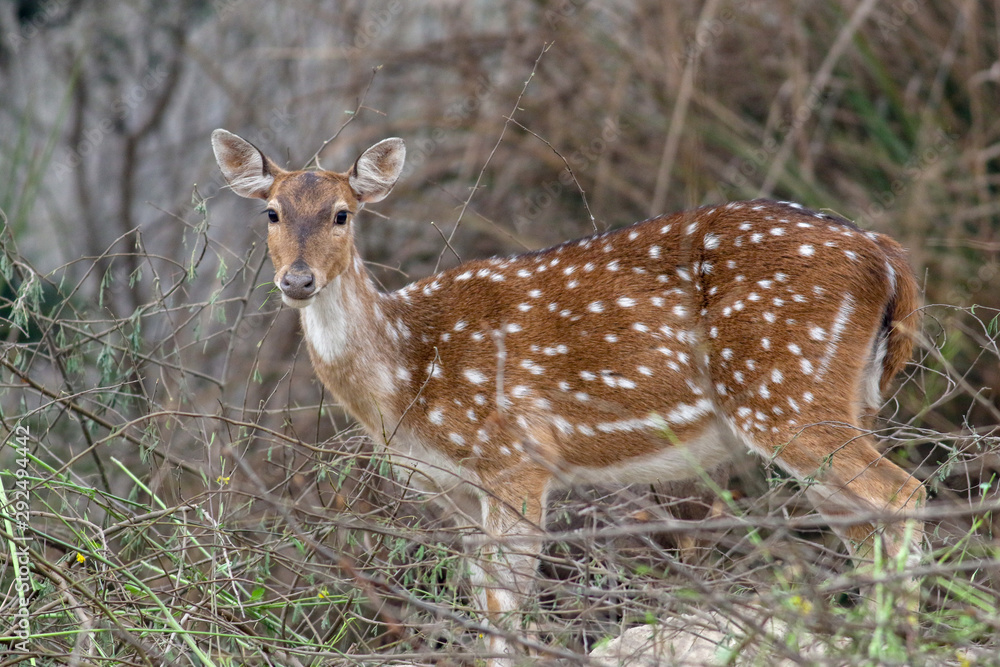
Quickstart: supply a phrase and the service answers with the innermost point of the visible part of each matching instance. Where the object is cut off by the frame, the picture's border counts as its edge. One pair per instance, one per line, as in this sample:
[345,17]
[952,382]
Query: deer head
[310,234]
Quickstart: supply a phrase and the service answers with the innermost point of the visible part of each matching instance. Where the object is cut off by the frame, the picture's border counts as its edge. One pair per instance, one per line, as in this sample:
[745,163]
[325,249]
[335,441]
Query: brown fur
[903,314]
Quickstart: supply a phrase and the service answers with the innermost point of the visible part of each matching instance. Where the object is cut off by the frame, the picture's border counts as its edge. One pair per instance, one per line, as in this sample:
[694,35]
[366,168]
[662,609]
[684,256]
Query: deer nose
[298,282]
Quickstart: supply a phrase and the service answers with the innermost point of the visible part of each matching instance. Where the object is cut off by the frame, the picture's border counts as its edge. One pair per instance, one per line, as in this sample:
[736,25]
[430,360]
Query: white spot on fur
[688,414]
[840,322]
[474,376]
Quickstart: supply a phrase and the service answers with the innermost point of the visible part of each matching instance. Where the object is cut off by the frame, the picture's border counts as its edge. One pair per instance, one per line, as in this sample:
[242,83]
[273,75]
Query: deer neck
[350,348]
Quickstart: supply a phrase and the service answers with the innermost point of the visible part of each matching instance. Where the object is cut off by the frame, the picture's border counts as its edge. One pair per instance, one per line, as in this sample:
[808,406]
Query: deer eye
[272,215]
[340,218]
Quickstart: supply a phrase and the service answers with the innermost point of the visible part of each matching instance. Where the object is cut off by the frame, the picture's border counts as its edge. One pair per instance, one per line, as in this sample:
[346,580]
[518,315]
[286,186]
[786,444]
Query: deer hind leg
[846,477]
[504,563]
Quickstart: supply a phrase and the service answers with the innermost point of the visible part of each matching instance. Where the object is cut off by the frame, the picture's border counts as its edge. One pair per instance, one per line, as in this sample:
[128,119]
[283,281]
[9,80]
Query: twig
[579,187]
[447,241]
[314,160]
[482,172]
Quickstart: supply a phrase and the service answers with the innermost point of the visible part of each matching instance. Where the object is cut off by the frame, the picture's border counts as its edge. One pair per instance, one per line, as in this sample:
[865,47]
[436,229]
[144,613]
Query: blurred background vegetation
[143,348]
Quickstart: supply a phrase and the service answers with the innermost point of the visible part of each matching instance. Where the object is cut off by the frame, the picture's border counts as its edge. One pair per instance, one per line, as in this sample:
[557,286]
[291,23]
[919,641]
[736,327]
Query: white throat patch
[325,321]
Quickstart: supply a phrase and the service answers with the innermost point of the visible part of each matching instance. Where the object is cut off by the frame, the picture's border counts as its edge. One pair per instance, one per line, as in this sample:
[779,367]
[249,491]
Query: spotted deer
[643,354]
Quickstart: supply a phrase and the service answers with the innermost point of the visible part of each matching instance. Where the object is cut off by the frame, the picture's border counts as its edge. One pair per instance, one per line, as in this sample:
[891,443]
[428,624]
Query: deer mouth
[297,303]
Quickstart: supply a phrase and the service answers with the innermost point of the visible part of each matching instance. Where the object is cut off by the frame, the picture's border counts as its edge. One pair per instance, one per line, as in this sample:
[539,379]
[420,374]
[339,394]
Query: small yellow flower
[80,557]
[801,604]
[322,593]
[222,479]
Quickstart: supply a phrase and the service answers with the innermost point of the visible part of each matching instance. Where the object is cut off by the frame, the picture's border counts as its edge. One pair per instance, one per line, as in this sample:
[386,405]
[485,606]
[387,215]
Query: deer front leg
[503,564]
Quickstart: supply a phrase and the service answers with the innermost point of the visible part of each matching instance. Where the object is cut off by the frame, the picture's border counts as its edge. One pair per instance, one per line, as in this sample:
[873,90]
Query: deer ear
[248,171]
[376,171]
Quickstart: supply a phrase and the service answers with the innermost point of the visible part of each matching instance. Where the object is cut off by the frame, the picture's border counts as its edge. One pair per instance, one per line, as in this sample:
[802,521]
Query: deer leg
[504,564]
[861,481]
[854,479]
